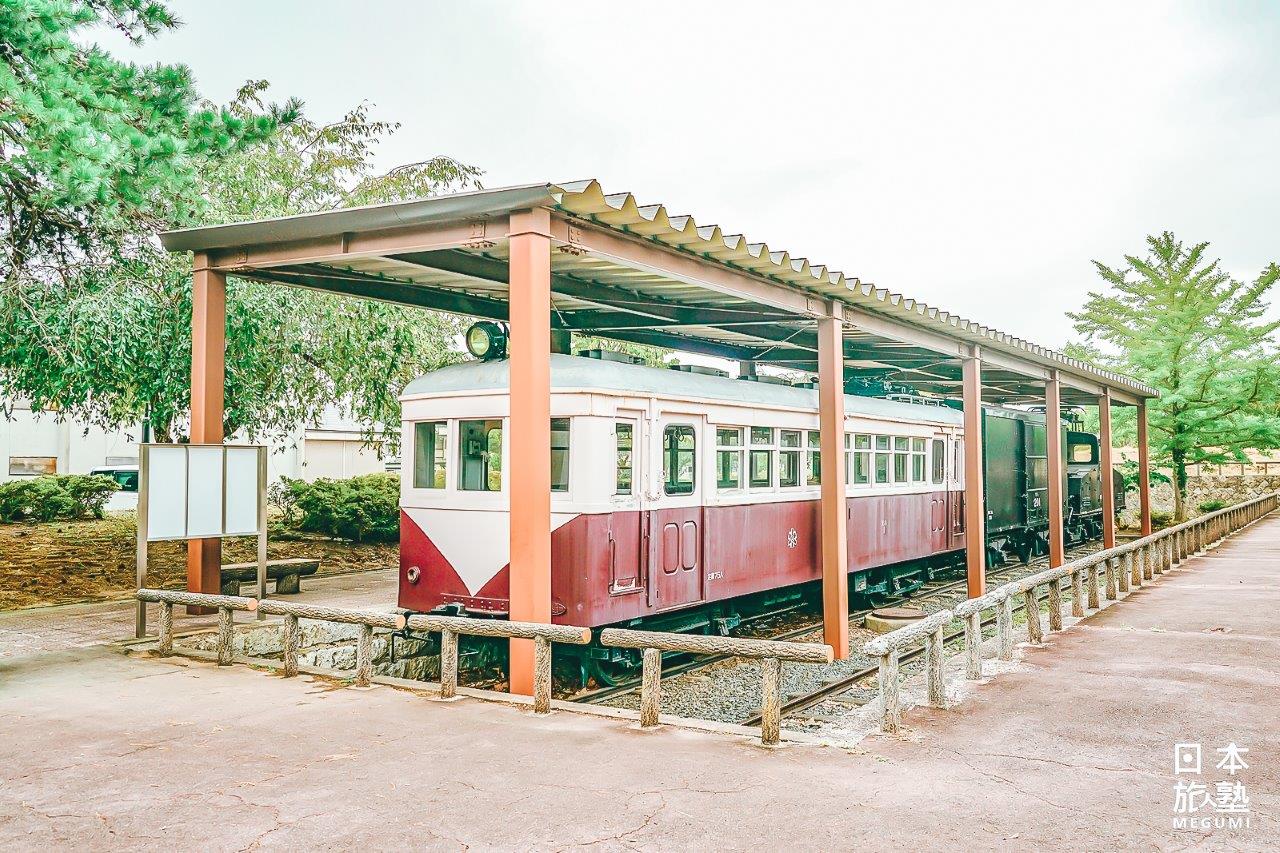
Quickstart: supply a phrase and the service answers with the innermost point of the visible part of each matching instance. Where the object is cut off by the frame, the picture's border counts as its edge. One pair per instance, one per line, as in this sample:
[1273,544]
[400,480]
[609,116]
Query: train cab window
[559,454]
[788,458]
[939,460]
[429,454]
[813,472]
[480,456]
[861,475]
[884,458]
[728,458]
[678,459]
[624,433]
[917,460]
[1082,453]
[760,458]
[901,459]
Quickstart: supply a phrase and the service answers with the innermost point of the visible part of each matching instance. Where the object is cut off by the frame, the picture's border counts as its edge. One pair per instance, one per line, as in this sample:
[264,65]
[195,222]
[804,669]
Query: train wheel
[1025,547]
[605,673]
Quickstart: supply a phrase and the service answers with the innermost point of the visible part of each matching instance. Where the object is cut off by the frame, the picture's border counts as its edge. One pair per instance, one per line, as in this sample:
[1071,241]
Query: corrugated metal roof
[621,210]
[586,200]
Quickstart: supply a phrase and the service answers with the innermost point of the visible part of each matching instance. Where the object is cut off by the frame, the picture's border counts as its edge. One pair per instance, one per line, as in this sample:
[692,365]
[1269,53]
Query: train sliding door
[672,515]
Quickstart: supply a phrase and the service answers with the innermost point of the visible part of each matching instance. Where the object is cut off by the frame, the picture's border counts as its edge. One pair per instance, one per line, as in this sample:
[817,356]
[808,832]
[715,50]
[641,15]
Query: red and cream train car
[671,490]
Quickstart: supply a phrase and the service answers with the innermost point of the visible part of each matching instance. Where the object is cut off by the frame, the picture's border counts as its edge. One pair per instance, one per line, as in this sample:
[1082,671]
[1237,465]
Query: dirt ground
[64,562]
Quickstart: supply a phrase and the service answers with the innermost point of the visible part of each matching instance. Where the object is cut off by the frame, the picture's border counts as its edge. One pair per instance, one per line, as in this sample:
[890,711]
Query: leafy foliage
[1175,320]
[362,509]
[115,347]
[1212,506]
[55,497]
[91,147]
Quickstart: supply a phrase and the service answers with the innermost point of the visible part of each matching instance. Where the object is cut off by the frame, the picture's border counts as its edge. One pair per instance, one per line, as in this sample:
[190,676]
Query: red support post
[1105,470]
[1144,469]
[529,483]
[975,513]
[1057,470]
[208,377]
[835,545]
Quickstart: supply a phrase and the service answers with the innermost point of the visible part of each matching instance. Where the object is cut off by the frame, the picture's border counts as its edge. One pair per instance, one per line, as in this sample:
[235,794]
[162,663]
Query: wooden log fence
[770,653]
[888,647]
[1124,568]
[450,627]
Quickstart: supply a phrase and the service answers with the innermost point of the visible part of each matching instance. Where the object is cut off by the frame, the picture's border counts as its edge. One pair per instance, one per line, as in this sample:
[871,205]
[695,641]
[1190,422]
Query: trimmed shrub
[55,497]
[362,509]
[1160,518]
[1212,506]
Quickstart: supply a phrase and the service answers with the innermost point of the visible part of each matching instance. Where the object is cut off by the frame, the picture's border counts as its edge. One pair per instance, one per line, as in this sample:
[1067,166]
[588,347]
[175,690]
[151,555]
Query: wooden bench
[286,573]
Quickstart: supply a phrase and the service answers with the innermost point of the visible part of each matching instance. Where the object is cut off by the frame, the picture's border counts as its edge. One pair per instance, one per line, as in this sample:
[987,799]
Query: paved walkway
[1072,751]
[71,626]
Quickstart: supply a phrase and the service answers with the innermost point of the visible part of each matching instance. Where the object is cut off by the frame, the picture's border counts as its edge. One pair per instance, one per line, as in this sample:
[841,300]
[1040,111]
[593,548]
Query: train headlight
[487,340]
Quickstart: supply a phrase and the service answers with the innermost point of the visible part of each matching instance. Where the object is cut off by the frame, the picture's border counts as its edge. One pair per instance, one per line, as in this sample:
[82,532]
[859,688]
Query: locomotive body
[683,500]
[670,490]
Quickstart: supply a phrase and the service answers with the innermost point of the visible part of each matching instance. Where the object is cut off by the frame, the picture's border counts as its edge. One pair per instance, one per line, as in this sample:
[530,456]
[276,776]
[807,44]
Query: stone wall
[1228,489]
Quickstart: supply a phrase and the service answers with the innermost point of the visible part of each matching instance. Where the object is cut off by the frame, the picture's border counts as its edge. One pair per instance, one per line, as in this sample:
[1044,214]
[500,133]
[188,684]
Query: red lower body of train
[621,566]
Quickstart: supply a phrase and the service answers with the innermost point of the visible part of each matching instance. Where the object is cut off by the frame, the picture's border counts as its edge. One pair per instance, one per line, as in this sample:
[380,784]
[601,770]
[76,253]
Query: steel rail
[701,662]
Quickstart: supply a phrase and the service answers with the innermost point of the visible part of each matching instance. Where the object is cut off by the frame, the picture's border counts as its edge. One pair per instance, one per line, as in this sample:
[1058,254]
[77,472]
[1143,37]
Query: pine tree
[92,147]
[1178,322]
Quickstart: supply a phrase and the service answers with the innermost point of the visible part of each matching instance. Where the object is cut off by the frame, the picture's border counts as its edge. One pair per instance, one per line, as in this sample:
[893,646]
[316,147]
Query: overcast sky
[974,156]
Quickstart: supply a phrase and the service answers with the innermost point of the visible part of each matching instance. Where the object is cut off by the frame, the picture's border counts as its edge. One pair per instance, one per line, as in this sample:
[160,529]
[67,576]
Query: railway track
[842,685]
[921,595]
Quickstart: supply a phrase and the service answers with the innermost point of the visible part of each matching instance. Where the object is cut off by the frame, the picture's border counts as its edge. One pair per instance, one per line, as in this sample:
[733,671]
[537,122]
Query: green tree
[1176,321]
[115,346]
[92,148]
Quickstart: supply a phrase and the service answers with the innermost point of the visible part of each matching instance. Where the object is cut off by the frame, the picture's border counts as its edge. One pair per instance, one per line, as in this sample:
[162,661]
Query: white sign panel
[242,492]
[166,491]
[198,491]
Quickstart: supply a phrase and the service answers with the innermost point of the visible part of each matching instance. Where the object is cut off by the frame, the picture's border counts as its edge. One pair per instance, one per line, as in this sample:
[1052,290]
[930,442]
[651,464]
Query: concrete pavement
[1073,750]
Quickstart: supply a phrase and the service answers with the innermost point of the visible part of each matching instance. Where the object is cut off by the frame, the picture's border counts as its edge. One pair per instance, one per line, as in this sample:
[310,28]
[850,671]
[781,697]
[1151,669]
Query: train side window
[678,468]
[789,458]
[939,460]
[480,456]
[884,459]
[729,458]
[760,458]
[813,475]
[861,460]
[624,436]
[559,454]
[917,460]
[429,454]
[901,458]
[1082,453]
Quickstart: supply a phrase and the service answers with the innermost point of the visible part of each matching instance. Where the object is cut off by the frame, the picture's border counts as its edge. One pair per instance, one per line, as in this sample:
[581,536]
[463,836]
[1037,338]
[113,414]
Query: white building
[34,443]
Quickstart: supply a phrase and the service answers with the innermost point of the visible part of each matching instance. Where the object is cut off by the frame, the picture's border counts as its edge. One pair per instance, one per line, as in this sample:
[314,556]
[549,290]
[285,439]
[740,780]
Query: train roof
[577,372]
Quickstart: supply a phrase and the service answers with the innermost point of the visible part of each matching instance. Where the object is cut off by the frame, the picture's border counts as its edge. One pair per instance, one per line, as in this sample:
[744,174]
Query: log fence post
[1126,569]
[1031,608]
[1092,586]
[891,719]
[1077,593]
[1112,587]
[541,675]
[650,688]
[448,664]
[226,636]
[164,647]
[934,652]
[1055,604]
[292,640]
[364,656]
[771,701]
[973,646]
[1004,627]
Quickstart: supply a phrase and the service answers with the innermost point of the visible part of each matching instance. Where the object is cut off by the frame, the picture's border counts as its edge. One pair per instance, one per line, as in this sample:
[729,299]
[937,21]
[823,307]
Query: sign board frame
[216,465]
